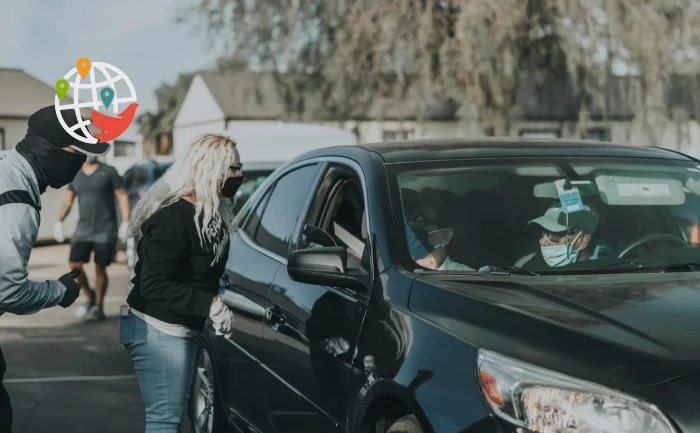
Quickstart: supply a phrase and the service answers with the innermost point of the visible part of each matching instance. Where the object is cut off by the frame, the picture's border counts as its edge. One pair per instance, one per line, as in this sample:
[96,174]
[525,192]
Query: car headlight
[538,400]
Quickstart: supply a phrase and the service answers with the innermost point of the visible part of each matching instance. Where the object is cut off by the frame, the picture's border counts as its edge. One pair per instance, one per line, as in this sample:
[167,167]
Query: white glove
[58,232]
[222,318]
[123,227]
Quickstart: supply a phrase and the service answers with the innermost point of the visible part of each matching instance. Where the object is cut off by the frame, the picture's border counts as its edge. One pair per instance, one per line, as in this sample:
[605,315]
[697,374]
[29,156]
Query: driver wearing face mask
[427,241]
[48,156]
[561,246]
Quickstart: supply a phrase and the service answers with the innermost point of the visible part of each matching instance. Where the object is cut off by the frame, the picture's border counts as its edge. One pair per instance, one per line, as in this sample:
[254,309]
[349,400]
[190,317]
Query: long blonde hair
[201,172]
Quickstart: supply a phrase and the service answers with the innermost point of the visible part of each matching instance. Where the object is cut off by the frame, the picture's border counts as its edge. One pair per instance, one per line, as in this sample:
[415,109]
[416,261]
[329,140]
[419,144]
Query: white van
[265,146]
[271,144]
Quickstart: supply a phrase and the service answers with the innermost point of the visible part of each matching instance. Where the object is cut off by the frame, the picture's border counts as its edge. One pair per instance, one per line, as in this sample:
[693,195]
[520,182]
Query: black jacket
[174,280]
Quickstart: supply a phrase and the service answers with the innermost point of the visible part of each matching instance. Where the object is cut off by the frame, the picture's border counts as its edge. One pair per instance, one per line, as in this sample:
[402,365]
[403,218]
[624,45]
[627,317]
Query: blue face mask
[559,255]
[418,243]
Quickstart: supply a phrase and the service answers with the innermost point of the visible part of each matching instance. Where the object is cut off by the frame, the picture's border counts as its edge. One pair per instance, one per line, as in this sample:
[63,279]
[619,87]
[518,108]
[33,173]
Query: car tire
[204,396]
[406,424]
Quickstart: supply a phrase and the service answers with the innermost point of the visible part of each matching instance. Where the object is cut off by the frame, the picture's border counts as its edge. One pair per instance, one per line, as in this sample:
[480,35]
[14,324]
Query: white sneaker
[95,314]
[83,309]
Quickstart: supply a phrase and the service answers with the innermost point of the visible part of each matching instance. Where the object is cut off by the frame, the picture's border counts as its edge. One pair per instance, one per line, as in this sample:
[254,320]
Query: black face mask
[53,166]
[231,186]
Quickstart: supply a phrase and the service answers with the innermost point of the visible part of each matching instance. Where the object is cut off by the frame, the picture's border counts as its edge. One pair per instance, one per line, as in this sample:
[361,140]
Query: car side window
[284,208]
[347,222]
[341,219]
[251,225]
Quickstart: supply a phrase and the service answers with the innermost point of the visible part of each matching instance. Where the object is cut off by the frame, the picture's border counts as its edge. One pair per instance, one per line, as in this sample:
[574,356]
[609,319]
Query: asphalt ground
[66,376]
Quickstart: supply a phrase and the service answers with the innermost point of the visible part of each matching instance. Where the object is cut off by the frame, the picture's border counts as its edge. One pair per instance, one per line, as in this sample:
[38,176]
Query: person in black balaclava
[48,156]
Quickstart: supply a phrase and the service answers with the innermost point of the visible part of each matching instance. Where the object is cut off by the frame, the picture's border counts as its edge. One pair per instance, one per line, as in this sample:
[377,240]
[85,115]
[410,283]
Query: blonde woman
[181,229]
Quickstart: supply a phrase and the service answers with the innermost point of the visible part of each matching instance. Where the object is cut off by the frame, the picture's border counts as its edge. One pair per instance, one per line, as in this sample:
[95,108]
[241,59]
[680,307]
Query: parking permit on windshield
[570,199]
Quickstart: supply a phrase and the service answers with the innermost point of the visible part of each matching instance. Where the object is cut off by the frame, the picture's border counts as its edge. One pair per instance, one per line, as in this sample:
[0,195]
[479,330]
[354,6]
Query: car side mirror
[324,266]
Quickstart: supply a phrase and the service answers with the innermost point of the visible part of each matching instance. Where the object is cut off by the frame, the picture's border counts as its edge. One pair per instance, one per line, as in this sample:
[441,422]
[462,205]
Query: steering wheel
[651,238]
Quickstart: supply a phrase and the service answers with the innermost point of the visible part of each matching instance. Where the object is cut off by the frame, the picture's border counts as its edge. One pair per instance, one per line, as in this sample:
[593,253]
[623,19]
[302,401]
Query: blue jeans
[164,366]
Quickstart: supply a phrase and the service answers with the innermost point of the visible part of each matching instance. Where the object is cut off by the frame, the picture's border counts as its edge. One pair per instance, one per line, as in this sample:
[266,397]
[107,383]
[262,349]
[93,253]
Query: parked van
[264,146]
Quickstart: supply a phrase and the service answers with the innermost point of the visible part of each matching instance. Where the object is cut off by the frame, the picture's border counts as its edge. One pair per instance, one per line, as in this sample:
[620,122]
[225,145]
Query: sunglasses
[422,221]
[558,237]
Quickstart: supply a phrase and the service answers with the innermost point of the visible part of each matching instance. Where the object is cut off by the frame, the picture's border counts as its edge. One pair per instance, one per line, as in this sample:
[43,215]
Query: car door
[310,333]
[258,248]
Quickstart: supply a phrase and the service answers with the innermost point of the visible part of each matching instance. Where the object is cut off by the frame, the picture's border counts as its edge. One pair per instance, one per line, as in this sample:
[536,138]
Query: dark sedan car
[481,286]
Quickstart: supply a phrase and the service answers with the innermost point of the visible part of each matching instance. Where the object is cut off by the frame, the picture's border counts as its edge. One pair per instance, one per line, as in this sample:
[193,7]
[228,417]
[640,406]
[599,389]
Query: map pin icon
[83,66]
[62,87]
[107,94]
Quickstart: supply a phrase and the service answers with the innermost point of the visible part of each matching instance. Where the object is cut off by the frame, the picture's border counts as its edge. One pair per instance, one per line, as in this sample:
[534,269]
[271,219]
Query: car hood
[631,329]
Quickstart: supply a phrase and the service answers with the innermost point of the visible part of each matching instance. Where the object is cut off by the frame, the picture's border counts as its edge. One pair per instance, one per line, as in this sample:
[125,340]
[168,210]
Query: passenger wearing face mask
[561,246]
[48,156]
[427,241]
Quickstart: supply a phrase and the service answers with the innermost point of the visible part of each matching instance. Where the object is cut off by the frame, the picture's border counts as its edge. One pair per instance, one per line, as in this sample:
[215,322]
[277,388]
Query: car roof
[490,147]
[487,147]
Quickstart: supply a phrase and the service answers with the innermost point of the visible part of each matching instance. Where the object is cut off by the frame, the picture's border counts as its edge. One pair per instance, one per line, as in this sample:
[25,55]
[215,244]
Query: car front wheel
[205,408]
[406,424]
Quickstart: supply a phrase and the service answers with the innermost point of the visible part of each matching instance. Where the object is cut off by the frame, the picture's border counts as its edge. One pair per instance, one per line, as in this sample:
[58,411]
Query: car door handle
[276,317]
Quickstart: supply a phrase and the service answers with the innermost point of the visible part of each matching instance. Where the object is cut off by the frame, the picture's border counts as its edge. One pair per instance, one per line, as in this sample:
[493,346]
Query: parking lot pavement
[65,376]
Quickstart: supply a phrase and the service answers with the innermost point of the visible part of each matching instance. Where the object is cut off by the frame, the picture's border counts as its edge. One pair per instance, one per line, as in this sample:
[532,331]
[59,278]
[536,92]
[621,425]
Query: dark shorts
[80,251]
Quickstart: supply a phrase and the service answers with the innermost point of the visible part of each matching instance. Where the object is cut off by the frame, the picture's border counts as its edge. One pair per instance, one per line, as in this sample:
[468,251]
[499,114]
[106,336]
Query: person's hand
[72,288]
[58,232]
[221,317]
[123,227]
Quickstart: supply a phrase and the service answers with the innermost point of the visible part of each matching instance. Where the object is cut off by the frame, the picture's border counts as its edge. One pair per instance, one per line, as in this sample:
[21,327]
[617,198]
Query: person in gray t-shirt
[97,231]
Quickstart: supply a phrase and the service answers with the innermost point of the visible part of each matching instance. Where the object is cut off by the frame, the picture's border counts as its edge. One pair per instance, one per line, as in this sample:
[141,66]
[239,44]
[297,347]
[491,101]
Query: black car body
[336,336]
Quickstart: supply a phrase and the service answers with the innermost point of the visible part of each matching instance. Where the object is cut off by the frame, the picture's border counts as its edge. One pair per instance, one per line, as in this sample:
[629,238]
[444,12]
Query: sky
[140,37]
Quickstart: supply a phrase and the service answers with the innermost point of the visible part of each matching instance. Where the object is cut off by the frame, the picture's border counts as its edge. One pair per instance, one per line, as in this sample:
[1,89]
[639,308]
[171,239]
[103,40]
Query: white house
[20,96]
[215,102]
[550,108]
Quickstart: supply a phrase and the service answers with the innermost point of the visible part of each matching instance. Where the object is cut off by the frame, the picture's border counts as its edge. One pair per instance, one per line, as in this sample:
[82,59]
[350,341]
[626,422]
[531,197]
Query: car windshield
[570,215]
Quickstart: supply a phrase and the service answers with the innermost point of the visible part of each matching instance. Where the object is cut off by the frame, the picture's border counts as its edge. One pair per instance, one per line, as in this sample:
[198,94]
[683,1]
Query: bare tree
[340,58]
[646,37]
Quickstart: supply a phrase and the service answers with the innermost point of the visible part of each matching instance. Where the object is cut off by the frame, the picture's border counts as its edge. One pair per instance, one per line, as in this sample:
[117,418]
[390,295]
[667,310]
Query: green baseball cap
[554,220]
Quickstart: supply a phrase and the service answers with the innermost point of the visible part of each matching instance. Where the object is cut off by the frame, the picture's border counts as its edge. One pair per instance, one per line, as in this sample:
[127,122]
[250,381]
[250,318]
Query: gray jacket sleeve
[19,225]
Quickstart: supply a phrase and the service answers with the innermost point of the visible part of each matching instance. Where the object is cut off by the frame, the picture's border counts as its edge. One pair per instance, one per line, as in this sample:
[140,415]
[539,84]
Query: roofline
[575,118]
[677,152]
[556,144]
[564,142]
[556,118]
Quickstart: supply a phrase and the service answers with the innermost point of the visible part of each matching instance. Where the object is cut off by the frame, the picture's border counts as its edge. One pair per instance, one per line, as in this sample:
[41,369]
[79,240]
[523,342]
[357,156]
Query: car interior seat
[347,222]
[483,236]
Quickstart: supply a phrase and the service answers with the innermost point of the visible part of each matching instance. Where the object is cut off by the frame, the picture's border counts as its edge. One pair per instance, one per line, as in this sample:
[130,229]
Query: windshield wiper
[504,270]
[634,266]
[681,267]
[483,271]
[422,271]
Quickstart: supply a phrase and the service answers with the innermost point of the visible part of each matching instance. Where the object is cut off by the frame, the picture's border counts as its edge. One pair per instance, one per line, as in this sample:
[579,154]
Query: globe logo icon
[106,91]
